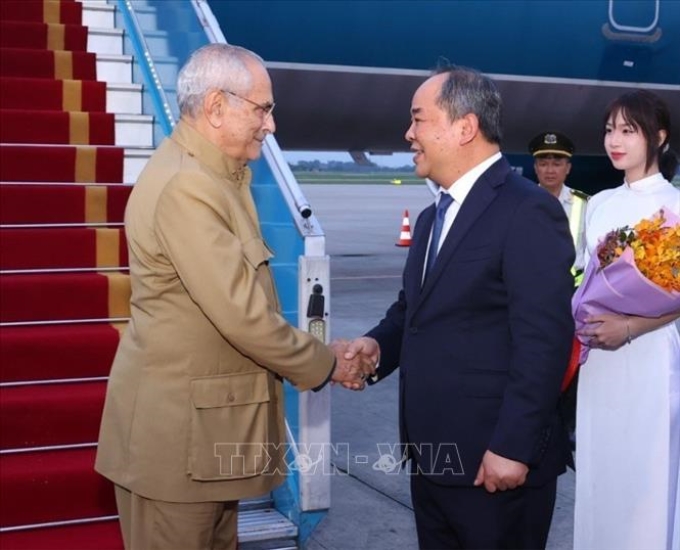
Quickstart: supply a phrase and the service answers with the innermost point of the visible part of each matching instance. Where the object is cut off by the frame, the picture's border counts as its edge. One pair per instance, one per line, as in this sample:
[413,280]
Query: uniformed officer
[552,153]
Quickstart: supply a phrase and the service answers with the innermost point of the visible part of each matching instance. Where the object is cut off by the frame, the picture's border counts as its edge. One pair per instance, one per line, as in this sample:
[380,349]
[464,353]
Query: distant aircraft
[344,72]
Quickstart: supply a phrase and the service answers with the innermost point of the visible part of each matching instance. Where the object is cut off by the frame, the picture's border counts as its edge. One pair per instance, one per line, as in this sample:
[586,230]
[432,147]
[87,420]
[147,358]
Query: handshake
[355,361]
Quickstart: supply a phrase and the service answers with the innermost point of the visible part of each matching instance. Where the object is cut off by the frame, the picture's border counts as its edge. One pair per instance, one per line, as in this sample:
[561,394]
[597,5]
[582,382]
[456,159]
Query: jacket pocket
[256,252]
[229,426]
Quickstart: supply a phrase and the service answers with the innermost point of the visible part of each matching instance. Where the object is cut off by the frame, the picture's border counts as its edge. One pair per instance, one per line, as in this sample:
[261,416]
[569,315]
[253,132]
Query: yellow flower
[656,250]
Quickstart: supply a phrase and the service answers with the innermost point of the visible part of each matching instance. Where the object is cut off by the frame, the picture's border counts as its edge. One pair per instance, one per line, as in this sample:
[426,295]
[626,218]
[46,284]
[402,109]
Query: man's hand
[351,368]
[366,350]
[366,347]
[497,473]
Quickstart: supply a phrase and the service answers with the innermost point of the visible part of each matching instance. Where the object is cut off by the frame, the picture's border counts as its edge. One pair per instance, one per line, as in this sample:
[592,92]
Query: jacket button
[230,398]
[413,330]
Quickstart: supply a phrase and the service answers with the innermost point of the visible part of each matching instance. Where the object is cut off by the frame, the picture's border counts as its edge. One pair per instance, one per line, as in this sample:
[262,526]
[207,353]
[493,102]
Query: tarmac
[370,501]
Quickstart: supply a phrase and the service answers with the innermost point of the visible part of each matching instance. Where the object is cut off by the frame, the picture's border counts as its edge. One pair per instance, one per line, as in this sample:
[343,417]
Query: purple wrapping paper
[621,288]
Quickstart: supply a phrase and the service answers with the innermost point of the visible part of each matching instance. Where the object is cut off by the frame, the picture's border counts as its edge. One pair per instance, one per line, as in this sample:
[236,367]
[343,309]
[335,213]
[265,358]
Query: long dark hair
[647,113]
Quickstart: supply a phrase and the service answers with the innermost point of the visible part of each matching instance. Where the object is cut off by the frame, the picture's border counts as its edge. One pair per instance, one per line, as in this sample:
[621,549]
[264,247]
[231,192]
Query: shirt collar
[464,184]
[565,194]
[207,153]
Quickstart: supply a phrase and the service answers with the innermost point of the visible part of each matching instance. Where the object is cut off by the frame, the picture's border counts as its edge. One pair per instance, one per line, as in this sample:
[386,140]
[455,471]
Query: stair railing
[146,63]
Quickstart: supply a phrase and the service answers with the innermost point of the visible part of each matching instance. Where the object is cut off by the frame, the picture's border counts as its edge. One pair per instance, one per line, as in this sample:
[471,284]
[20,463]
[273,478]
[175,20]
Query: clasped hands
[355,361]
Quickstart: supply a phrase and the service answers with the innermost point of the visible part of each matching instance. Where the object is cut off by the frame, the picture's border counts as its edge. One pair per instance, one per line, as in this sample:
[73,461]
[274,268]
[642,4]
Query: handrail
[148,68]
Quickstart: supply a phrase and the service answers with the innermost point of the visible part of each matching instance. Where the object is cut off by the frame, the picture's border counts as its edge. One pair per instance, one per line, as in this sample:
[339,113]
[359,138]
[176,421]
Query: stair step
[163,43]
[134,130]
[49,94]
[167,69]
[278,544]
[68,95]
[53,485]
[75,128]
[31,63]
[99,15]
[124,98]
[62,203]
[61,163]
[42,415]
[57,352]
[114,69]
[67,163]
[20,10]
[101,535]
[63,248]
[40,36]
[134,162]
[61,127]
[103,40]
[64,297]
[265,525]
[96,535]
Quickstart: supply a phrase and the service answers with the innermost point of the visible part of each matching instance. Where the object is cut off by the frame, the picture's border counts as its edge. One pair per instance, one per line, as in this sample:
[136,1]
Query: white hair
[215,66]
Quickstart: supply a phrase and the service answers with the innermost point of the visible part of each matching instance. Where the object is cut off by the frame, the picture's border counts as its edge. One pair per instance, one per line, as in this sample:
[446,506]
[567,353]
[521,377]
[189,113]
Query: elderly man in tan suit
[197,378]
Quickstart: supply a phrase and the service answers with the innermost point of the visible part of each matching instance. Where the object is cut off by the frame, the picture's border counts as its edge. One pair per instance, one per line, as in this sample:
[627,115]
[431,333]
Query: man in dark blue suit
[481,331]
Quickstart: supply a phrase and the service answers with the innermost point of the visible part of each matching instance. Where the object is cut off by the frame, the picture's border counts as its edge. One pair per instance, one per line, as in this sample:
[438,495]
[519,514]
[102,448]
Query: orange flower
[656,250]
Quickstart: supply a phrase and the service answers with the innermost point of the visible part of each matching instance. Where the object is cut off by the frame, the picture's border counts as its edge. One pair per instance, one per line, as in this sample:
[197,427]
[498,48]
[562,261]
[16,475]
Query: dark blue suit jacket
[483,345]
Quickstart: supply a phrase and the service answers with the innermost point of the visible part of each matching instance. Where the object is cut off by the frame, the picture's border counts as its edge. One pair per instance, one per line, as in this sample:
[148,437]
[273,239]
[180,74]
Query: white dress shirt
[459,191]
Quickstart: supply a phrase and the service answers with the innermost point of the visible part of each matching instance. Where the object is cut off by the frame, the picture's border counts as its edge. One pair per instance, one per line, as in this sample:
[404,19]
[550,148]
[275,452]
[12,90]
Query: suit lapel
[481,195]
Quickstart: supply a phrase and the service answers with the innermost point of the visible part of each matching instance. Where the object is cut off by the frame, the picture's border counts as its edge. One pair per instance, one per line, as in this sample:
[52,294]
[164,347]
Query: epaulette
[580,194]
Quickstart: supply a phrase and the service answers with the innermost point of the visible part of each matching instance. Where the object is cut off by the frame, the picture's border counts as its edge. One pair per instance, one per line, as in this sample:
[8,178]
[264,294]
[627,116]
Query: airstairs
[86,93]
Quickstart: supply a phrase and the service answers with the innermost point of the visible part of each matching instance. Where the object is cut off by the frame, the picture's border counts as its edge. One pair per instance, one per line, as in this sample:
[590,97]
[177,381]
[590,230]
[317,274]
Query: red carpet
[43,486]
[47,64]
[61,164]
[62,203]
[58,165]
[43,248]
[92,536]
[57,352]
[44,94]
[41,415]
[42,11]
[22,126]
[55,296]
[40,36]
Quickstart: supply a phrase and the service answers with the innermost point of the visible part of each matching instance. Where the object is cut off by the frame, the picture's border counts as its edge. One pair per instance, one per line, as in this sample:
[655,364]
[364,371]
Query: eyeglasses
[266,109]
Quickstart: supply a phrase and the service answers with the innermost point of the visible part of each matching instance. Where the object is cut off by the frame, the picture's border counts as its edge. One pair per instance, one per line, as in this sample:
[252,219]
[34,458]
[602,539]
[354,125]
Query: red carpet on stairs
[48,64]
[40,487]
[45,94]
[90,536]
[57,203]
[64,296]
[41,415]
[63,279]
[61,164]
[42,248]
[40,36]
[57,352]
[22,126]
[42,11]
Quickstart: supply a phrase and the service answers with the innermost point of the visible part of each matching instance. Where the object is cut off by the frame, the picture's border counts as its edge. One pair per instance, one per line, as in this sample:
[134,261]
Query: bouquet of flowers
[637,272]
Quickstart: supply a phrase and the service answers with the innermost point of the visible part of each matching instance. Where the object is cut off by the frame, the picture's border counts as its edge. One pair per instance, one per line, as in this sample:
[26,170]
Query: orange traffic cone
[405,235]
